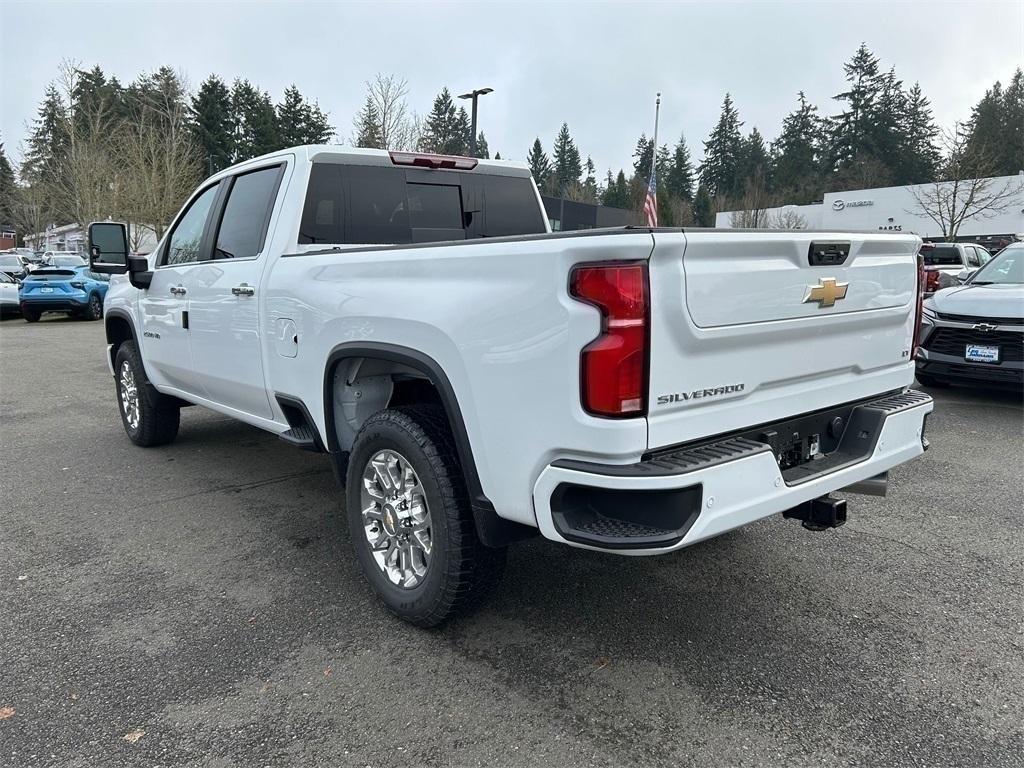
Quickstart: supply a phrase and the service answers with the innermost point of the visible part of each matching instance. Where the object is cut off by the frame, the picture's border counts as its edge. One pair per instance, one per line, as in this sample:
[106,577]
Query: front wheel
[149,418]
[410,518]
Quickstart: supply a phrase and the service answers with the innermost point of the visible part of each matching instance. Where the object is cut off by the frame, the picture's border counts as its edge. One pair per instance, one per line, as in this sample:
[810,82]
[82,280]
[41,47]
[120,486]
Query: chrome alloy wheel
[129,396]
[396,518]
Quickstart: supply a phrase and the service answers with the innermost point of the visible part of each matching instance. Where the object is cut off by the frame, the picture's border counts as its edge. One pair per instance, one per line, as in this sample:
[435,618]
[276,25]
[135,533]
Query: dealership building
[896,209]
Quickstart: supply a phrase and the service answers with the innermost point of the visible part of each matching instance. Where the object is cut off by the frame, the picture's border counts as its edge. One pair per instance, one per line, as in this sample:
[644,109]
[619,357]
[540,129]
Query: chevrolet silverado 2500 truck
[476,378]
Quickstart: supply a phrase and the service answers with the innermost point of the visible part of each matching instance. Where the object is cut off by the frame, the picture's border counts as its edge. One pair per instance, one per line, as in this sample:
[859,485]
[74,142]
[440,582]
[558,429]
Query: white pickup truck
[476,378]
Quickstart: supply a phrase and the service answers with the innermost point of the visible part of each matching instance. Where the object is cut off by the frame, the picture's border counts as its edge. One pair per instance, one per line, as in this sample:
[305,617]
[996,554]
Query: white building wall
[895,209]
[71,237]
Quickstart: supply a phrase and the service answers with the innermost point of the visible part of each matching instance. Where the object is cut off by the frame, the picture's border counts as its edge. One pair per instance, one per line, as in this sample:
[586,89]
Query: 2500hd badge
[697,394]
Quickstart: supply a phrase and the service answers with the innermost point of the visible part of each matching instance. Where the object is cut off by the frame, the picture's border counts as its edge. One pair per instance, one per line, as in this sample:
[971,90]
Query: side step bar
[303,433]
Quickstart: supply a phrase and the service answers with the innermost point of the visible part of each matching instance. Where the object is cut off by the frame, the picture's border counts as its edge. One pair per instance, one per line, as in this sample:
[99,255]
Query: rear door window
[243,227]
[973,259]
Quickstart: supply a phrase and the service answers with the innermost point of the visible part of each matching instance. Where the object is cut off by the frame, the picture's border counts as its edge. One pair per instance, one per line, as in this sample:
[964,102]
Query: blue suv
[75,290]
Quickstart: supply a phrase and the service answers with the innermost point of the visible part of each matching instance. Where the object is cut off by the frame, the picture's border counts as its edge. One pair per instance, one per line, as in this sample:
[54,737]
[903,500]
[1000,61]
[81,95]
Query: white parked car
[8,295]
[477,379]
[948,264]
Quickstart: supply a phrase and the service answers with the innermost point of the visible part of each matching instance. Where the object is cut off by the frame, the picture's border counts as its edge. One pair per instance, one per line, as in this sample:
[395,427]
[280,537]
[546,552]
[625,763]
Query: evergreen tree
[7,188]
[367,125]
[48,139]
[568,167]
[159,96]
[481,147]
[754,161]
[642,155]
[446,130]
[497,155]
[300,122]
[213,125]
[540,165]
[256,128]
[718,172]
[590,182]
[617,192]
[461,136]
[703,212]
[93,95]
[679,178]
[995,142]
[797,154]
[1012,140]
[919,158]
[862,141]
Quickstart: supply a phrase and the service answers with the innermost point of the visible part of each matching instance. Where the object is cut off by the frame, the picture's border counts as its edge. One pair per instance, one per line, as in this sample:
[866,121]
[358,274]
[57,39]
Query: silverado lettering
[698,393]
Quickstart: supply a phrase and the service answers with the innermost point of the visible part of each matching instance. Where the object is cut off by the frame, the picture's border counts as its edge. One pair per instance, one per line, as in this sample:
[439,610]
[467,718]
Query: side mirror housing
[108,248]
[965,274]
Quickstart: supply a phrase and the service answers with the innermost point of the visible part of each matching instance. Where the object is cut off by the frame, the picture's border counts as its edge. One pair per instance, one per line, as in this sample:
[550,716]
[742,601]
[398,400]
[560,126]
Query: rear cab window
[383,205]
[942,256]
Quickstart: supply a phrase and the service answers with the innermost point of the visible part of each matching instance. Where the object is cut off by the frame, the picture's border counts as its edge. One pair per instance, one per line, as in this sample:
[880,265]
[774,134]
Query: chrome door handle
[243,290]
[178,290]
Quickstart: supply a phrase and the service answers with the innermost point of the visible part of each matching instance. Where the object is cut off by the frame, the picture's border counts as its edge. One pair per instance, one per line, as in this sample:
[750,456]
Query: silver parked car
[974,333]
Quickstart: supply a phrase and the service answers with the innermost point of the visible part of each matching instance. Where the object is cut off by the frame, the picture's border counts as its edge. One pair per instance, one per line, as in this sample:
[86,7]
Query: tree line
[883,135]
[99,149]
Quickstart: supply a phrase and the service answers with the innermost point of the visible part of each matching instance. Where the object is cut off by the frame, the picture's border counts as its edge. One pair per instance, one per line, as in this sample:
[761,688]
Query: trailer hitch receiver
[819,514]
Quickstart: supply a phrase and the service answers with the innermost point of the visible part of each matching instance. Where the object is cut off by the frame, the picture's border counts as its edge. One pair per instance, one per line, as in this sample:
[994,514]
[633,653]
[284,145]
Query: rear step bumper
[681,497]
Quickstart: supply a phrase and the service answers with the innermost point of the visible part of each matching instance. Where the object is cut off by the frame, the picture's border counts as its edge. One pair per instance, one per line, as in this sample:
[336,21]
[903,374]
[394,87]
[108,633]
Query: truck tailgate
[750,327]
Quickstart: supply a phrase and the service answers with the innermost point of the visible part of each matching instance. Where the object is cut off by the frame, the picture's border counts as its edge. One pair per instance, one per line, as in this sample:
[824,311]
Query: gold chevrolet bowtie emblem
[827,292]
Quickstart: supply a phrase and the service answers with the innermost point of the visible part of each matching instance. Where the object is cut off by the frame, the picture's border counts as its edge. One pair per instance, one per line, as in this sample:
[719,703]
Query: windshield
[66,261]
[941,255]
[1007,267]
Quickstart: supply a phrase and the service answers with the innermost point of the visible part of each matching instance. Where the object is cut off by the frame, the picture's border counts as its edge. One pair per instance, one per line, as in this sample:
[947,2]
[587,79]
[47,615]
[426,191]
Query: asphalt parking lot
[198,605]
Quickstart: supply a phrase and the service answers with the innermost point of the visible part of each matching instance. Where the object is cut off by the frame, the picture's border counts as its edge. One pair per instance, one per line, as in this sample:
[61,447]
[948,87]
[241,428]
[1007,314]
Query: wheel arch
[119,328]
[493,530]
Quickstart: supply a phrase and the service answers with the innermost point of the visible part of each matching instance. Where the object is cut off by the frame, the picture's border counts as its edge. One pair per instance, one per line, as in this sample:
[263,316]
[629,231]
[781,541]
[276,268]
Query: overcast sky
[595,66]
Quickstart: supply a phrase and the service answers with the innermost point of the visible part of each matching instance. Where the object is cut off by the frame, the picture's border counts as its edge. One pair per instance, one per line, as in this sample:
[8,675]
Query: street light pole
[472,136]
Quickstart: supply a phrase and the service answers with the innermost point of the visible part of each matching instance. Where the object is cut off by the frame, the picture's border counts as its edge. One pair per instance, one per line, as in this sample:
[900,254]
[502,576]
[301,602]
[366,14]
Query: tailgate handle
[827,253]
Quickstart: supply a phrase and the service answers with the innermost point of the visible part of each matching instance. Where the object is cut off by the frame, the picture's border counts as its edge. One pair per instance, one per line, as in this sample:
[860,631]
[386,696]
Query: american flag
[651,201]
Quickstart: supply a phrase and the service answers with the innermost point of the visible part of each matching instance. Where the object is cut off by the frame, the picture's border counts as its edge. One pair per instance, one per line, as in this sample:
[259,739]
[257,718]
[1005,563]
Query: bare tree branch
[967,192]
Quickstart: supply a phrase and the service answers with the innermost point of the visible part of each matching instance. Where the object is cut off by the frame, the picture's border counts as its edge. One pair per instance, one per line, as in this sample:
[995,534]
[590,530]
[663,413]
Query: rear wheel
[149,418]
[30,315]
[410,518]
[94,310]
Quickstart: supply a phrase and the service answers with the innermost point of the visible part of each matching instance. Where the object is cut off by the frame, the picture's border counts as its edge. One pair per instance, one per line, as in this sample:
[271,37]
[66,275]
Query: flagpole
[654,153]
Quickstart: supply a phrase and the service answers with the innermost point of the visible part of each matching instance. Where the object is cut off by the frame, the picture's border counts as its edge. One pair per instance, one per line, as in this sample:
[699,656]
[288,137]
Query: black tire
[461,569]
[158,416]
[30,315]
[930,381]
[94,309]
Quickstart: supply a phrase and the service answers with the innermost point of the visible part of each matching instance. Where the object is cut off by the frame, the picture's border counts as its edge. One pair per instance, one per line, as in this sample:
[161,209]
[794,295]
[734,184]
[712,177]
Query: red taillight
[427,160]
[922,282]
[931,276]
[613,367]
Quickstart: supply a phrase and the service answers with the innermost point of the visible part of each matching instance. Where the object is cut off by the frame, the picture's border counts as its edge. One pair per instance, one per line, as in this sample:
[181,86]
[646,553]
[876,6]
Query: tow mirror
[108,248]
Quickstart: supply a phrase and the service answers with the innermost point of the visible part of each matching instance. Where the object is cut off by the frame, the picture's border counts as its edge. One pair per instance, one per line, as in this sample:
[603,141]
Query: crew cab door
[224,300]
[164,306]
